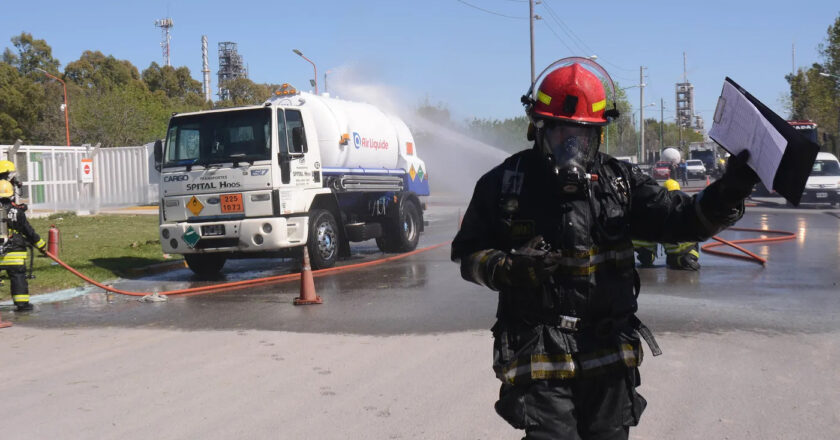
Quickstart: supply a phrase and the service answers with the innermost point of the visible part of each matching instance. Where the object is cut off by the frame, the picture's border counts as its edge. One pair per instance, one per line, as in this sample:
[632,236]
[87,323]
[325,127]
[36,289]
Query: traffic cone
[708,180]
[307,284]
[4,324]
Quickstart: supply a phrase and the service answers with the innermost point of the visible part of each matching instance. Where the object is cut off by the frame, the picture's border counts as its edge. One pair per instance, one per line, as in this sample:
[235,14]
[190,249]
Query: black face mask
[570,150]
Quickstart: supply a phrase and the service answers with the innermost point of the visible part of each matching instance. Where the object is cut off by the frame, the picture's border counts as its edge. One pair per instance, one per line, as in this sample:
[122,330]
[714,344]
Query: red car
[662,170]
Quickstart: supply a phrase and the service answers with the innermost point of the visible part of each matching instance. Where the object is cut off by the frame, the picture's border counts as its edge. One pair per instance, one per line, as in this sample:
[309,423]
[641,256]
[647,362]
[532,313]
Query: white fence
[54,177]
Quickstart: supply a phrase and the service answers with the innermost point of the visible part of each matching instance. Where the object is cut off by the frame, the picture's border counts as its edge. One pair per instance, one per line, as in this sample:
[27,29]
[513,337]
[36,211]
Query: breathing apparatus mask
[567,112]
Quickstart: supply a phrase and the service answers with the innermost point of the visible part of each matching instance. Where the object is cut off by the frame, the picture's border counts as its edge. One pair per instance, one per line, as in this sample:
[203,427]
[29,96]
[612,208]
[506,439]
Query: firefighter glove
[739,179]
[525,267]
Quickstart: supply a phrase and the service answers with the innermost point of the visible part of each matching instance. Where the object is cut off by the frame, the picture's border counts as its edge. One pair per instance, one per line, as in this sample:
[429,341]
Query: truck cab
[258,181]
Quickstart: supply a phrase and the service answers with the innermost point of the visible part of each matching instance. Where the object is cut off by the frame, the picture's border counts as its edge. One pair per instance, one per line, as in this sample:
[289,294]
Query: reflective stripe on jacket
[14,258]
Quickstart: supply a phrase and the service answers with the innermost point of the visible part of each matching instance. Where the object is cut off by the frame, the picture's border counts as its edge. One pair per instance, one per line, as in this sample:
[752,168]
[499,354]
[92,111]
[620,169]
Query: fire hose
[240,284]
[750,256]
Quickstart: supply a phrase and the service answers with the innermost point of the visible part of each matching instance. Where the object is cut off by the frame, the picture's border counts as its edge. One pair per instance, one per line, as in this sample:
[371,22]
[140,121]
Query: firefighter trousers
[19,284]
[601,407]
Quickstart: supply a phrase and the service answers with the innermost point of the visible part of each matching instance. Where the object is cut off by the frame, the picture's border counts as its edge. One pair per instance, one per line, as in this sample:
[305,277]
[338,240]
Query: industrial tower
[165,24]
[685,100]
[205,68]
[231,66]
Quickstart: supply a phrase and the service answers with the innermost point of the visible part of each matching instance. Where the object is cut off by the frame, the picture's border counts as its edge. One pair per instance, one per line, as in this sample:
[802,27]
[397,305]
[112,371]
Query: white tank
[671,155]
[375,139]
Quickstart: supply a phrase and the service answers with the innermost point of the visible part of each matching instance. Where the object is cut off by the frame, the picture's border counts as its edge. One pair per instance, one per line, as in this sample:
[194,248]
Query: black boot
[24,307]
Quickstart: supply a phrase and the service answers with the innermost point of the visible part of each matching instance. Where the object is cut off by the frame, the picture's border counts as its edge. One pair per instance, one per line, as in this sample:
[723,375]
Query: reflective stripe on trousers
[566,366]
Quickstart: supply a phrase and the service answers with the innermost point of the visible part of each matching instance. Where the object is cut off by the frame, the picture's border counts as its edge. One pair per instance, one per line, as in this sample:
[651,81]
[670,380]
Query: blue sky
[474,62]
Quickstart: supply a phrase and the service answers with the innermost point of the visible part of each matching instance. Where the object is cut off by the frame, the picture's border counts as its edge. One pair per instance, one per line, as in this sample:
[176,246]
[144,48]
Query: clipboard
[799,153]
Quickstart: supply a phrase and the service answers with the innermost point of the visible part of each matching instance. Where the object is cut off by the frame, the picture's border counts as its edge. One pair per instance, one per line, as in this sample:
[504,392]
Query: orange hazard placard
[232,203]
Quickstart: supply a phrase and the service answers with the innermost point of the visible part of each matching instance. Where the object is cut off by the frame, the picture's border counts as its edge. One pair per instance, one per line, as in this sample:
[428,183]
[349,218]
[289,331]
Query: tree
[817,97]
[31,54]
[20,101]
[243,91]
[95,70]
[175,83]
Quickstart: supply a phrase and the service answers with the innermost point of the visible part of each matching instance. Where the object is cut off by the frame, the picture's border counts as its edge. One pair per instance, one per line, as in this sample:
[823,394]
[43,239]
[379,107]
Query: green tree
[815,96]
[94,70]
[174,82]
[243,91]
[19,104]
[31,54]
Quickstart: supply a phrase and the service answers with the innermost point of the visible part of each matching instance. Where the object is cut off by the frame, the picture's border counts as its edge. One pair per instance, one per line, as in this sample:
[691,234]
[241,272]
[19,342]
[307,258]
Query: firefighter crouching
[680,256]
[15,235]
[550,230]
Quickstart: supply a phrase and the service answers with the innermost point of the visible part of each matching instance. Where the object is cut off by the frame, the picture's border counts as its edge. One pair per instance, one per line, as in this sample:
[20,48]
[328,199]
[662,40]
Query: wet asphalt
[796,292]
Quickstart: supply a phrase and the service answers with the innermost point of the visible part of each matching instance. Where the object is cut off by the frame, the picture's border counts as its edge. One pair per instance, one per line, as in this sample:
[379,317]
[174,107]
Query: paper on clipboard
[738,125]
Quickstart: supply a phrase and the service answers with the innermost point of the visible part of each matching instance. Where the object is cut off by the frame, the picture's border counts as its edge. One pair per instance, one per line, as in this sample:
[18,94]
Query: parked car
[662,170]
[695,168]
[823,185]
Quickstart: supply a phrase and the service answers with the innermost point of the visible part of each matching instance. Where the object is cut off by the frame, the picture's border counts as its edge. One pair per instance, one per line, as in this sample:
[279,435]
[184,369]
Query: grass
[101,247]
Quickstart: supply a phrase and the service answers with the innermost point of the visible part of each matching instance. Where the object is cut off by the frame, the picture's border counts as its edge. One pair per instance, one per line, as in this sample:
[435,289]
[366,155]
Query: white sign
[86,170]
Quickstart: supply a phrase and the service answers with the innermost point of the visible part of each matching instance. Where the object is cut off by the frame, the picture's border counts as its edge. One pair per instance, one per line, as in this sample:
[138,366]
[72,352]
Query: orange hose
[245,283]
[784,235]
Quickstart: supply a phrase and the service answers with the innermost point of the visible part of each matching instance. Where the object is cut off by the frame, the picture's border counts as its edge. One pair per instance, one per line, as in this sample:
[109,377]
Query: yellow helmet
[672,185]
[6,166]
[6,189]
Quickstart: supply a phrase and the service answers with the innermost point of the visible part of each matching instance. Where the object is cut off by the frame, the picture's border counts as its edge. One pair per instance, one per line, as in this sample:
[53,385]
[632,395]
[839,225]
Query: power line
[491,12]
[576,38]
[571,51]
[563,28]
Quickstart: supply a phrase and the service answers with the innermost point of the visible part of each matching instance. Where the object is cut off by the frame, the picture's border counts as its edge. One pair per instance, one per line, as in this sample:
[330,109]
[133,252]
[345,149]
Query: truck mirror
[158,152]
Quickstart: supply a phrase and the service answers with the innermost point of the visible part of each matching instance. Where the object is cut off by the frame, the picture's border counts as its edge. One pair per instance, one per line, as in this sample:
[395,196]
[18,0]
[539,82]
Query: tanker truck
[300,170]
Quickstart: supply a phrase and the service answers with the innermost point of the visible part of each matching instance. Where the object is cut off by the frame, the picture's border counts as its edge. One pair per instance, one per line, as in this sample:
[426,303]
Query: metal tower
[231,66]
[205,68]
[685,100]
[165,24]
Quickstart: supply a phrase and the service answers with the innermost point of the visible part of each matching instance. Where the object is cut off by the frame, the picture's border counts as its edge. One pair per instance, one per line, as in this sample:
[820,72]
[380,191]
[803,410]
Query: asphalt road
[401,350]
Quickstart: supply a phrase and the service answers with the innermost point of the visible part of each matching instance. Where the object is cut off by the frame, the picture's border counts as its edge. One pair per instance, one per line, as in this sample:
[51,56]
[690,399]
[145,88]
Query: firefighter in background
[16,234]
[8,172]
[550,230]
[682,256]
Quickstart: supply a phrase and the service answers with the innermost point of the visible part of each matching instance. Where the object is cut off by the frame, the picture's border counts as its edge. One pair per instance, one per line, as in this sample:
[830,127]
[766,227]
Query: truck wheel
[403,232]
[205,265]
[323,239]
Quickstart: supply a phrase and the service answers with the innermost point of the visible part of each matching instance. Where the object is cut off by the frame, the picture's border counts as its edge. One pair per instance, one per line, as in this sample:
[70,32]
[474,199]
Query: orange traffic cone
[4,324]
[307,284]
[708,180]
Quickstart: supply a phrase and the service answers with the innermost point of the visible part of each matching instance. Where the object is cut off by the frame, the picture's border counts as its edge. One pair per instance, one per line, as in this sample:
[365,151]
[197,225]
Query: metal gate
[53,176]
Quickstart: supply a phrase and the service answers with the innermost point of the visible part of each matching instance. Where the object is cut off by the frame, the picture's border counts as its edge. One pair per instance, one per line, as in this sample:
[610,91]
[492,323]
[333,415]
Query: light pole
[66,108]
[829,75]
[313,66]
[661,122]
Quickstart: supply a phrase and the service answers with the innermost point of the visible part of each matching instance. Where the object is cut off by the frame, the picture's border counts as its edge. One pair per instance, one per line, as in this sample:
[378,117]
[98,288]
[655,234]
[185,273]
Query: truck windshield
[826,168]
[209,138]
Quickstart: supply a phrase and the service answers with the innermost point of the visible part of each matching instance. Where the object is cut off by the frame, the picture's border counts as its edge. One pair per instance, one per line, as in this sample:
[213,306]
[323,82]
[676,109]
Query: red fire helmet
[571,93]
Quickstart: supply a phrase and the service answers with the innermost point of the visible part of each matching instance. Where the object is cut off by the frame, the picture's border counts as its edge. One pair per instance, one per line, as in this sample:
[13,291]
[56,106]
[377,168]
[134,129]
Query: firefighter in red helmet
[550,229]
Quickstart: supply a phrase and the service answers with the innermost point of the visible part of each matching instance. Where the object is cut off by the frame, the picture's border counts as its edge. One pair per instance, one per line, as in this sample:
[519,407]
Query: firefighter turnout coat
[581,321]
[20,235]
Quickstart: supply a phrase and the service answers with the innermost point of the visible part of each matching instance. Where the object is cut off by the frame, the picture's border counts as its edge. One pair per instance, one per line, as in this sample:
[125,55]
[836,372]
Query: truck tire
[323,241]
[402,232]
[205,265]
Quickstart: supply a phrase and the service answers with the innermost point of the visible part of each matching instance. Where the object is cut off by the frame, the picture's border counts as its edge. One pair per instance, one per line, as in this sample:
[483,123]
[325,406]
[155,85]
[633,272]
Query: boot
[24,307]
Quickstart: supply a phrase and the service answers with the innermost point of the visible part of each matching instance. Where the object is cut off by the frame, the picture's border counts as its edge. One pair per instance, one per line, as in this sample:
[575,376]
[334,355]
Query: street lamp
[313,66]
[66,108]
[829,75]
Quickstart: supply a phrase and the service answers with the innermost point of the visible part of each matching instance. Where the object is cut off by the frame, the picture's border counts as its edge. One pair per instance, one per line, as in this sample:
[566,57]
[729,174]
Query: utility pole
[531,21]
[661,122]
[642,114]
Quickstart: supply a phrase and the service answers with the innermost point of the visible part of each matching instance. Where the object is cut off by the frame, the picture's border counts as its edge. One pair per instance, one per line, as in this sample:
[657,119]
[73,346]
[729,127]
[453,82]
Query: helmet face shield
[570,145]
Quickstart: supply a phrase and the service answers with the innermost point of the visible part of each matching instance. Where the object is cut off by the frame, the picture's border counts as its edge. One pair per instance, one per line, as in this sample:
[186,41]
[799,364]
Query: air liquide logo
[360,142]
